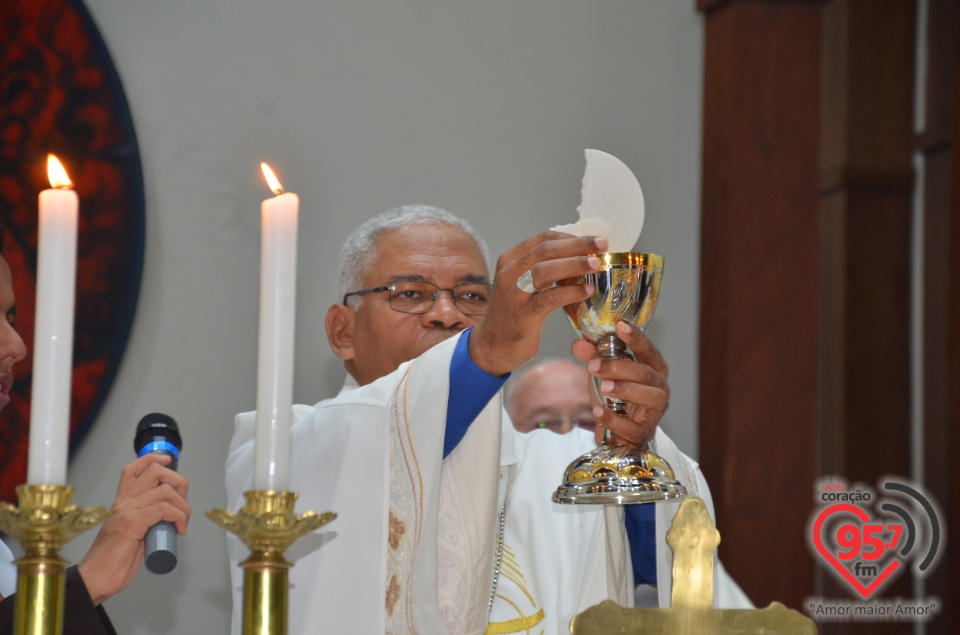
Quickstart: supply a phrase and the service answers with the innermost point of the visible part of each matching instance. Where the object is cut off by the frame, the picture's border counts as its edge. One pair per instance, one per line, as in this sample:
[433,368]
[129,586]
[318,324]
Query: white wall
[482,107]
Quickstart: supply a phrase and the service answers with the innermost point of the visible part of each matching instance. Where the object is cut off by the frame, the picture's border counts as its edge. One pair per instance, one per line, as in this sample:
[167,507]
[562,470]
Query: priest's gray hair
[357,256]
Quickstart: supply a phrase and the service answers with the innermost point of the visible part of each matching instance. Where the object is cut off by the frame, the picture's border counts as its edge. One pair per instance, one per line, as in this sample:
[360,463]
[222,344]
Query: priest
[419,461]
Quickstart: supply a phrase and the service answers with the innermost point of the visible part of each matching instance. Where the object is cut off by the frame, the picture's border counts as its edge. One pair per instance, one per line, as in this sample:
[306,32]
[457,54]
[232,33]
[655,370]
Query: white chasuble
[374,455]
[556,560]
[415,542]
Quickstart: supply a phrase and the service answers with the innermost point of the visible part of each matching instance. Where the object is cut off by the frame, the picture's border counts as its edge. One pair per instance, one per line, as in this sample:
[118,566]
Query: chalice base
[618,475]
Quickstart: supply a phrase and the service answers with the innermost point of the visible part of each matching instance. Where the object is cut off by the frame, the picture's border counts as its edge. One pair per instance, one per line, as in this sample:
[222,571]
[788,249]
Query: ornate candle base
[268,526]
[44,521]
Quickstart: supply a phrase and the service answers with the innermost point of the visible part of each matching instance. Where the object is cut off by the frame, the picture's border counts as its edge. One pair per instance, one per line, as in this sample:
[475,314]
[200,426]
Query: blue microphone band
[160,446]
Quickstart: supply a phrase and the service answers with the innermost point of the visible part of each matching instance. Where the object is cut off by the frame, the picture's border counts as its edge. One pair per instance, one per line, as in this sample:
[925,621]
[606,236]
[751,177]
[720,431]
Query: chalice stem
[612,439]
[609,346]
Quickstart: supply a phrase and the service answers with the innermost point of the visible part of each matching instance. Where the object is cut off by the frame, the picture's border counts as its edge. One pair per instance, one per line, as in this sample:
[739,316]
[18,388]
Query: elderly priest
[444,520]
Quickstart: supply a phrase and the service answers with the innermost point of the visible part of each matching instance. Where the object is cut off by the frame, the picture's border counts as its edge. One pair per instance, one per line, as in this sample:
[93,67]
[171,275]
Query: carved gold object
[268,526]
[693,539]
[43,522]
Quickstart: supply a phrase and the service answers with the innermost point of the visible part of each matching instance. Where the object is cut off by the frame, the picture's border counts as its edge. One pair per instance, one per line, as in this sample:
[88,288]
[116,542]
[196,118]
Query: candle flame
[272,180]
[57,175]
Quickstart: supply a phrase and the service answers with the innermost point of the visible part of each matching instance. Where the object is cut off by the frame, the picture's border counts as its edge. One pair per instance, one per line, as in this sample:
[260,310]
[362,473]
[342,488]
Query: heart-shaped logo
[851,539]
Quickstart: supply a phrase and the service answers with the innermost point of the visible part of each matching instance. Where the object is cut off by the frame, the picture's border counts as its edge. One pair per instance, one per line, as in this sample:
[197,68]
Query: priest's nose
[444,313]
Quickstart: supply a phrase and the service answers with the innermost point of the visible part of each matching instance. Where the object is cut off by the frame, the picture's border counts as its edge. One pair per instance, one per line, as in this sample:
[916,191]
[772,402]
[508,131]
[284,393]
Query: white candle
[53,330]
[278,273]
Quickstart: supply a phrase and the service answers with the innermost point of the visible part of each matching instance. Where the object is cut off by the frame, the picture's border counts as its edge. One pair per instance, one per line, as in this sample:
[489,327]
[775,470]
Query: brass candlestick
[268,526]
[44,521]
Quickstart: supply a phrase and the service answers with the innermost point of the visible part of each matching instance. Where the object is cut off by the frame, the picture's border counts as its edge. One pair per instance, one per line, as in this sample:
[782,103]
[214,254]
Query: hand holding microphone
[158,433]
[149,493]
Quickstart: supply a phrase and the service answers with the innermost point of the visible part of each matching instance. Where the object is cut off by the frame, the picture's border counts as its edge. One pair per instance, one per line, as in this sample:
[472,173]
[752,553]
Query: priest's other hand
[641,384]
[509,334]
[148,493]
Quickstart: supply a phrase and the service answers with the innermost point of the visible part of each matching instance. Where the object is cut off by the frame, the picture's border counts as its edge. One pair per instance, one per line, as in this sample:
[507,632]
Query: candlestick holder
[268,526]
[44,522]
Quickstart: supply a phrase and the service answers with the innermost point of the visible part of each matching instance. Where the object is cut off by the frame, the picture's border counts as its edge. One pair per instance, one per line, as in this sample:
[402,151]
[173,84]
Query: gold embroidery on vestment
[397,529]
[517,625]
[510,569]
[393,594]
[409,452]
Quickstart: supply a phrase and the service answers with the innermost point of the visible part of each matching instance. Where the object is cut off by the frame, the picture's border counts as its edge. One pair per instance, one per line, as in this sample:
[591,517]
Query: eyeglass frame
[392,286]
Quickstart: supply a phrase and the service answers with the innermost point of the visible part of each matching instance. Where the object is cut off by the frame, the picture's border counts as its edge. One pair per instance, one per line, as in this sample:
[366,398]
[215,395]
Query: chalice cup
[617,472]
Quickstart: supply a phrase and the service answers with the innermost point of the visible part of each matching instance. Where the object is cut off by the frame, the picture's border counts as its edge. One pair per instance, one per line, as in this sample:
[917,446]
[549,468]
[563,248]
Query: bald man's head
[554,394]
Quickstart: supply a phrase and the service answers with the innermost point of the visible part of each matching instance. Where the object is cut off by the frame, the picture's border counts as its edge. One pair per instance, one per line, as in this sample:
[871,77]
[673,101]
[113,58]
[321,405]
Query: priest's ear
[339,324]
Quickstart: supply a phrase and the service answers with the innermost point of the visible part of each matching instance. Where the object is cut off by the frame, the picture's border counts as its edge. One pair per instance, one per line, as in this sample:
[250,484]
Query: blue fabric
[641,524]
[471,389]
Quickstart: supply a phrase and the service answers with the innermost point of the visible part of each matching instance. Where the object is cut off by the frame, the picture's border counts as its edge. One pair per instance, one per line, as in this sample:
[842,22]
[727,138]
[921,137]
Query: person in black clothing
[148,493]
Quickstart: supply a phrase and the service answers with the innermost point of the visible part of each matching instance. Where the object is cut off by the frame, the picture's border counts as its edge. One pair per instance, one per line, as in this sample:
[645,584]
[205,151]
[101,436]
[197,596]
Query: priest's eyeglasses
[471,298]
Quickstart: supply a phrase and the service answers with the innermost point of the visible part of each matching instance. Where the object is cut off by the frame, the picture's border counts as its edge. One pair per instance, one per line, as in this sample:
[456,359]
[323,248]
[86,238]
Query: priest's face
[12,349]
[554,395]
[373,339]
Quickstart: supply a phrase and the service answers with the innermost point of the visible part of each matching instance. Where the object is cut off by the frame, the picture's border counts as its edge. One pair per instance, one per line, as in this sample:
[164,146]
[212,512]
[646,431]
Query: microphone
[158,433]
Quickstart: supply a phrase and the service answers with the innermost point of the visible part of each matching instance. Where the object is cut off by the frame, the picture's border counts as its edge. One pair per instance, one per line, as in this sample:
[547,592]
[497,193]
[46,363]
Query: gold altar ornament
[693,539]
[268,526]
[44,521]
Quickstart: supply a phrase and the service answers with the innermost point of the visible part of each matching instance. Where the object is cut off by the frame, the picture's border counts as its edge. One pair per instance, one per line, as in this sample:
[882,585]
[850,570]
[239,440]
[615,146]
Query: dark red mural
[60,94]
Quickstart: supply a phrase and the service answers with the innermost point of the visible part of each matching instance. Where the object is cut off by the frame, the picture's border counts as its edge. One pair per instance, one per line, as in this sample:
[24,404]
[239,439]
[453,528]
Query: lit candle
[53,330]
[278,274]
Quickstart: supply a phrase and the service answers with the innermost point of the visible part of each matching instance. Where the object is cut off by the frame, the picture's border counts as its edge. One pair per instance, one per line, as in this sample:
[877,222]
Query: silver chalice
[617,472]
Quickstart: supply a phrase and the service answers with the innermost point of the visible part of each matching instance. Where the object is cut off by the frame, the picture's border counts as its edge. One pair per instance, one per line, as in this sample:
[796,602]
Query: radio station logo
[867,538]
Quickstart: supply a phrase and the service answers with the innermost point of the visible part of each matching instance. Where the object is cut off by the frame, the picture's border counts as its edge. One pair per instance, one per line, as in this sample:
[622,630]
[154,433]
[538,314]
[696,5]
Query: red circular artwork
[60,94]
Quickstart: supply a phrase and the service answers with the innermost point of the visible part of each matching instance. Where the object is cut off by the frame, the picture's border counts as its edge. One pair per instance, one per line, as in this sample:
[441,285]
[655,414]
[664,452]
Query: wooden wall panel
[806,235]
[866,207]
[941,311]
[758,351]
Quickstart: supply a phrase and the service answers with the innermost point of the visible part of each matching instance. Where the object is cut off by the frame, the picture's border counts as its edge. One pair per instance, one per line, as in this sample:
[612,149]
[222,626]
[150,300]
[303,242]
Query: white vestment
[561,542]
[414,546]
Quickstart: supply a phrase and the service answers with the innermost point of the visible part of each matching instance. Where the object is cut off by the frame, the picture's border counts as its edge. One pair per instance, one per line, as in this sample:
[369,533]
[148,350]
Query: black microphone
[158,434]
